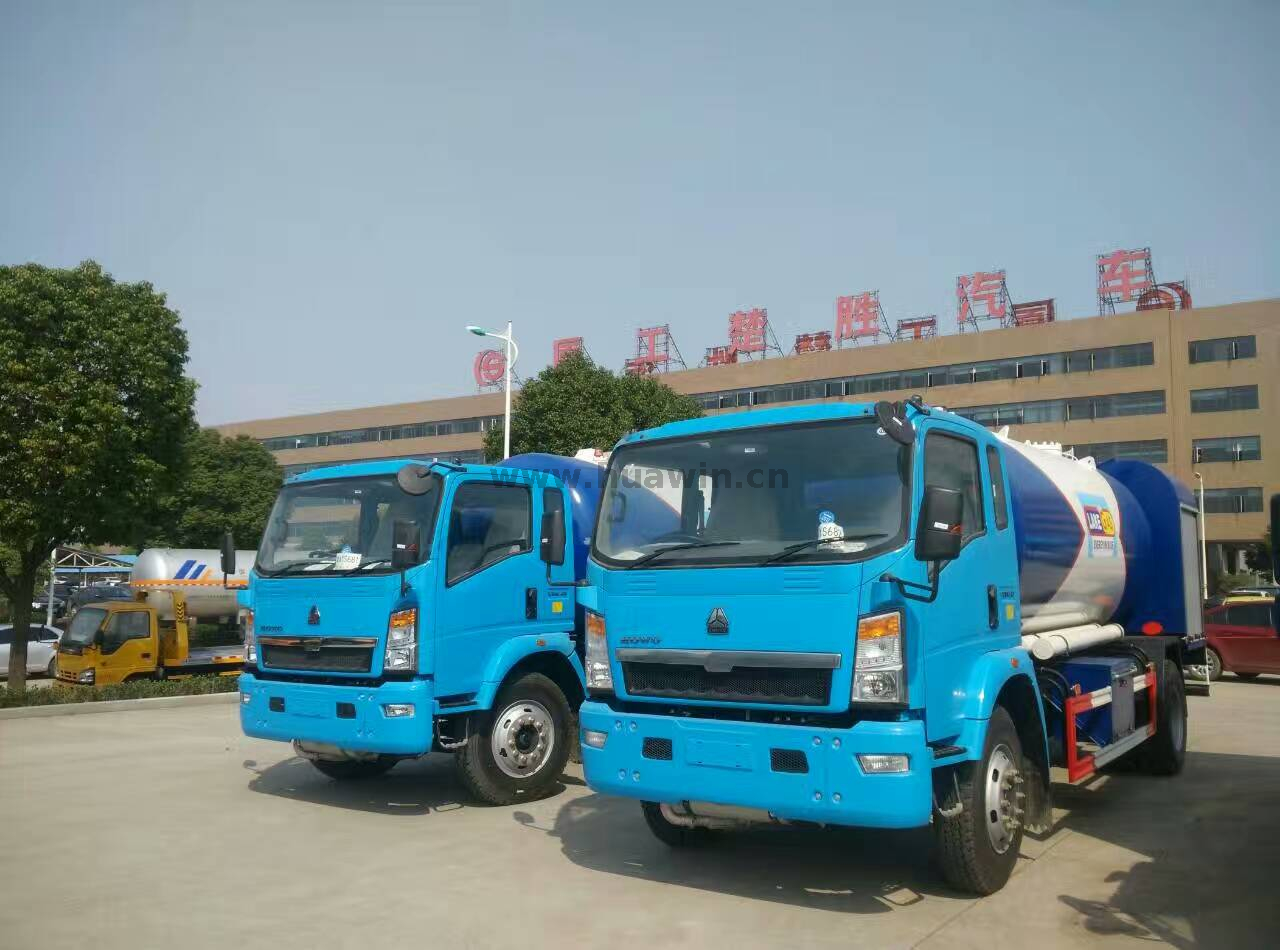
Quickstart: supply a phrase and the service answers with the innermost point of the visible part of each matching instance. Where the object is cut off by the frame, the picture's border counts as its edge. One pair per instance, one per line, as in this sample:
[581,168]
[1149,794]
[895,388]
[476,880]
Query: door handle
[993,611]
[531,603]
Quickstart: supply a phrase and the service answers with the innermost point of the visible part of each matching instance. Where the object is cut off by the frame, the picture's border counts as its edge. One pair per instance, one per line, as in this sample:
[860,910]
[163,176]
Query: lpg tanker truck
[397,608]
[880,615]
[149,637]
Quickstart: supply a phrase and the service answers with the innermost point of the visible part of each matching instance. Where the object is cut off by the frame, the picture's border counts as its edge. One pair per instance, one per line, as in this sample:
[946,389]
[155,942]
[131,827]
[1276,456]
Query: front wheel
[51,670]
[351,769]
[1214,662]
[518,750]
[977,848]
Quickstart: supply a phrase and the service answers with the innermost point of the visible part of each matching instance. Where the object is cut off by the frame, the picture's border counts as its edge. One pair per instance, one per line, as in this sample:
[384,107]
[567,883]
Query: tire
[1214,661]
[51,670]
[1247,676]
[1165,752]
[670,834]
[530,718]
[352,769]
[974,853]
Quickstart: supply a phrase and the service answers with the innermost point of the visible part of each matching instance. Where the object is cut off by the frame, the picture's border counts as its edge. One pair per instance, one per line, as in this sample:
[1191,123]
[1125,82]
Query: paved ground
[169,828]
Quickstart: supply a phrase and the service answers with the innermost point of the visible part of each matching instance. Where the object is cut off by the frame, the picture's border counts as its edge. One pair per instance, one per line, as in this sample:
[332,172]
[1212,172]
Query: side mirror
[939,531]
[551,549]
[228,555]
[404,545]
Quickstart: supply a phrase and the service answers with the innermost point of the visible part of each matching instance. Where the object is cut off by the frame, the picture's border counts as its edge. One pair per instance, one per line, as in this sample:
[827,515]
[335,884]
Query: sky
[329,192]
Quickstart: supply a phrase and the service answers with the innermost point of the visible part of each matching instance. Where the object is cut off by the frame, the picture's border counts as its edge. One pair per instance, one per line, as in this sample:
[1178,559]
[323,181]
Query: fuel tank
[1110,543]
[195,573]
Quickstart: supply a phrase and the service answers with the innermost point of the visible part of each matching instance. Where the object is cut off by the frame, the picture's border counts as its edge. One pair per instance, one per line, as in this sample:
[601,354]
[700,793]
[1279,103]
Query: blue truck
[880,615]
[397,607]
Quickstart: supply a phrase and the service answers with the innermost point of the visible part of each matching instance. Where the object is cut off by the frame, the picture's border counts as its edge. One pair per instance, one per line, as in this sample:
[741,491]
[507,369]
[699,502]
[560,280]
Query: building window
[1223,348]
[1064,410]
[1232,501]
[1230,448]
[1154,451]
[1224,399]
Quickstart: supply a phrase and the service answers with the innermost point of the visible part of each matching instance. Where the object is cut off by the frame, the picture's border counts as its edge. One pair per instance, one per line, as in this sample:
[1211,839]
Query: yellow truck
[120,640]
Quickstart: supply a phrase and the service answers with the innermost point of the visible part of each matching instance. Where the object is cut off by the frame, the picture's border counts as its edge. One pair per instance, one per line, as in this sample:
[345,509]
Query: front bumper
[733,763]
[311,712]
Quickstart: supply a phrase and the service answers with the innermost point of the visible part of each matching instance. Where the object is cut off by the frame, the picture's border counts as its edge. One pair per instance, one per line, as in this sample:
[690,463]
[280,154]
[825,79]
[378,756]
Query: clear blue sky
[328,192]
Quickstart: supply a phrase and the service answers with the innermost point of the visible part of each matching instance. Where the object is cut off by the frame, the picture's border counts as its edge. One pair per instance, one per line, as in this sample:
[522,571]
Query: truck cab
[397,608]
[817,614]
[115,641]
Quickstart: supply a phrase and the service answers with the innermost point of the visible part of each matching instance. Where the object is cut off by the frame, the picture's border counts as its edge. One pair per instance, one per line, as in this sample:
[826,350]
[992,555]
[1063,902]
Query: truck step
[947,751]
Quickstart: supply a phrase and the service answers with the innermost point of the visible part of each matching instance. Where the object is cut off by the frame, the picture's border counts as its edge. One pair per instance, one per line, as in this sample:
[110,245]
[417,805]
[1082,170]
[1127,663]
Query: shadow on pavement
[854,871]
[1211,843]
[417,787]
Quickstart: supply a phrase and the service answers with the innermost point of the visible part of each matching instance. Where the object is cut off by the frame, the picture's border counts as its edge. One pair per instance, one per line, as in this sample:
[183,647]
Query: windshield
[84,626]
[343,526]
[815,492]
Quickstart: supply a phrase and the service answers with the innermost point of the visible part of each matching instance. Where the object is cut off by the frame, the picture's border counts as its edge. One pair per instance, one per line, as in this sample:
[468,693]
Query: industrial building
[1193,391]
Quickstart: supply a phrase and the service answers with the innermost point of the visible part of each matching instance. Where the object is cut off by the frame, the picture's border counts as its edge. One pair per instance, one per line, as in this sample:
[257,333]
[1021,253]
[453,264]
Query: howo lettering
[907,626]
[397,607]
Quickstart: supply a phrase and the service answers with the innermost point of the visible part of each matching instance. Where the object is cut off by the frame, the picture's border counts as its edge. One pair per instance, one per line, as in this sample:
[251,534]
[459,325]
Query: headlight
[877,666]
[402,642]
[86,677]
[250,644]
[599,673]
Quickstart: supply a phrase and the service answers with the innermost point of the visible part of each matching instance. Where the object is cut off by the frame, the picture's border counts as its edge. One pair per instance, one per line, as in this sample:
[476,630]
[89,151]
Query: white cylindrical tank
[195,573]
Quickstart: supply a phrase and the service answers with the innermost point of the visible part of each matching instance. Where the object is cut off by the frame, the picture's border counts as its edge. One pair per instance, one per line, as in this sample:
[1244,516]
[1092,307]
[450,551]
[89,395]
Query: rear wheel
[667,831]
[1163,753]
[349,769]
[517,751]
[52,669]
[1214,662]
[977,849]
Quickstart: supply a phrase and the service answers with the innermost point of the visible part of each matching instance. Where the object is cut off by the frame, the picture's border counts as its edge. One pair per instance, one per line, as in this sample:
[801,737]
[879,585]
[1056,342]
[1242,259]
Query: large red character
[563,347]
[1119,279]
[489,367]
[981,295]
[747,330]
[857,316]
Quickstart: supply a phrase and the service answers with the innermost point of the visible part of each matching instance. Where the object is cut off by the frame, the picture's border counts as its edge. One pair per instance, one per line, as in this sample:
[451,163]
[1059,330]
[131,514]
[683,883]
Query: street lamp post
[512,354]
[1204,547]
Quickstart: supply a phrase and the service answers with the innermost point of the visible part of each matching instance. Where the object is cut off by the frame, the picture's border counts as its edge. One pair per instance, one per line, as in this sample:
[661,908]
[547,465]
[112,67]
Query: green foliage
[94,410]
[138,689]
[578,405]
[1258,557]
[227,483]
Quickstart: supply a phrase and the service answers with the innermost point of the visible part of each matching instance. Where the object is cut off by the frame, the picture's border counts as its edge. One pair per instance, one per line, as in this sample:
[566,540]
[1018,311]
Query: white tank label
[1100,522]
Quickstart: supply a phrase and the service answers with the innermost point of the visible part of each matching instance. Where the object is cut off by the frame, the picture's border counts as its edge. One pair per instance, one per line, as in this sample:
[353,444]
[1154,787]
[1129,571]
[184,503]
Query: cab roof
[376,467]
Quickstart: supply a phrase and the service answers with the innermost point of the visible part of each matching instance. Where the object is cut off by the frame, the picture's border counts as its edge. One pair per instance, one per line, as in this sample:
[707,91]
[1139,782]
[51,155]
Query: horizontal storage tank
[1115,543]
[195,573]
[585,481]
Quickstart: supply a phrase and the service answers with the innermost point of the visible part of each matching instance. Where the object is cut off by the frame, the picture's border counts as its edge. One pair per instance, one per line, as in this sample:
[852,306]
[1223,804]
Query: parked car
[39,604]
[42,648]
[97,592]
[1242,638]
[1267,590]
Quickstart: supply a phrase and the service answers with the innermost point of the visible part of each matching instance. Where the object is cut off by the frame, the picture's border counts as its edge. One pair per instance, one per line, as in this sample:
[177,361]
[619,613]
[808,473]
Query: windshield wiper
[298,567]
[687,545]
[814,542]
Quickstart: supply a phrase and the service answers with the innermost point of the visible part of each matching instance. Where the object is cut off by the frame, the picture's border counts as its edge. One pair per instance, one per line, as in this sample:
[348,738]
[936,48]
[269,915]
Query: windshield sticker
[347,560]
[828,529]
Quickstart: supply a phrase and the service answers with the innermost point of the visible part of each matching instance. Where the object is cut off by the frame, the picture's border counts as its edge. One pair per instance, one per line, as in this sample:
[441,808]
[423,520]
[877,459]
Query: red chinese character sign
[563,347]
[720,356]
[656,352]
[917,328]
[859,317]
[747,329]
[1033,312]
[817,342]
[489,368]
[981,296]
[1123,277]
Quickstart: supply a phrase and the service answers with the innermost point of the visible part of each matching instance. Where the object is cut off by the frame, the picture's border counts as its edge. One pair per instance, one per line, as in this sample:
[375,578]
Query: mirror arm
[931,589]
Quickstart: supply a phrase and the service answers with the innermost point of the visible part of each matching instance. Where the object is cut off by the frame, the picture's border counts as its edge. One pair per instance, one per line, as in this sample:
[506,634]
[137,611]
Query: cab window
[125,626]
[952,462]
[996,474]
[488,523]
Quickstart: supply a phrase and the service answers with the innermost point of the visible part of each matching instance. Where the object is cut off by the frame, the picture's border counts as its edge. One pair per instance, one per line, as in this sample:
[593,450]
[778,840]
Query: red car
[1242,639]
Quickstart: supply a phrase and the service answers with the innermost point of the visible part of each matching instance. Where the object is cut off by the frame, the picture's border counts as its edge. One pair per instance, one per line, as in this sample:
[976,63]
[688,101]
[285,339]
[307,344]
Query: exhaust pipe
[716,817]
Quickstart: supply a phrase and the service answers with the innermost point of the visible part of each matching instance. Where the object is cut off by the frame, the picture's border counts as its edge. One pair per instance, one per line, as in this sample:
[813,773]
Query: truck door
[128,645]
[972,614]
[490,565]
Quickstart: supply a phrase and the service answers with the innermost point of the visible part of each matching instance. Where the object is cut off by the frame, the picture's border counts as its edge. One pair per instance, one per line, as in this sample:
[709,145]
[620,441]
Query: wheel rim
[1215,665]
[1004,798]
[523,736]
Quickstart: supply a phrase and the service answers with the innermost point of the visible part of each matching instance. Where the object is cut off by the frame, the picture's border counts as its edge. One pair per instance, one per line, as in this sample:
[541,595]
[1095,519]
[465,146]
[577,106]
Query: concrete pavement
[167,827]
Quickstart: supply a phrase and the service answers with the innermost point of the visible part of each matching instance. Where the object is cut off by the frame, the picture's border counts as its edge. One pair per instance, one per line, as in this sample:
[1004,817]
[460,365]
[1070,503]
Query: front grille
[789,760]
[656,748]
[743,684]
[335,655]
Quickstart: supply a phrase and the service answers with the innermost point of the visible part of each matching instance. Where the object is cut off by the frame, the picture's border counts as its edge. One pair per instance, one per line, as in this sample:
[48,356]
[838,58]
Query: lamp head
[478,331]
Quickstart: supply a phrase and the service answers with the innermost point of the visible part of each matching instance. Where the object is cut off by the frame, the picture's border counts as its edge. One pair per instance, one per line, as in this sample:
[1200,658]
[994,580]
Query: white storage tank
[197,574]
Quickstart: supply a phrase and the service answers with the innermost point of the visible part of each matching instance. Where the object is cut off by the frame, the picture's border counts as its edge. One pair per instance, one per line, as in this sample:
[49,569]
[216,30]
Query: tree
[1258,556]
[579,405]
[226,483]
[94,408]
